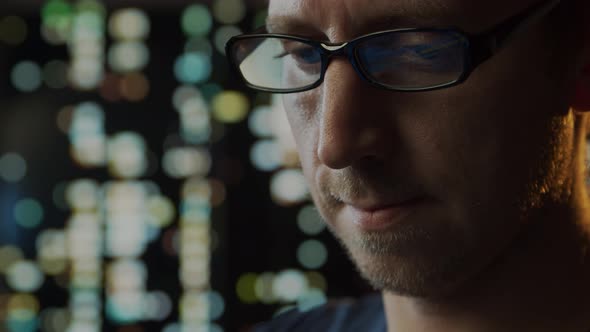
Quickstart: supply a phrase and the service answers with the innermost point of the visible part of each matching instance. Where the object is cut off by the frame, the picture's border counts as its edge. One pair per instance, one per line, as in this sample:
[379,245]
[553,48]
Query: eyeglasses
[409,59]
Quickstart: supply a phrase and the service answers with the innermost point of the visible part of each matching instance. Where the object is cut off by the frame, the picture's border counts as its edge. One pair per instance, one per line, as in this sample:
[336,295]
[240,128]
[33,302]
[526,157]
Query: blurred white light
[89,150]
[82,195]
[87,48]
[194,306]
[288,187]
[86,73]
[185,93]
[161,211]
[157,305]
[125,307]
[183,162]
[266,155]
[264,288]
[260,121]
[125,197]
[129,24]
[126,235]
[24,276]
[127,155]
[126,275]
[195,120]
[84,238]
[128,56]
[290,285]
[88,118]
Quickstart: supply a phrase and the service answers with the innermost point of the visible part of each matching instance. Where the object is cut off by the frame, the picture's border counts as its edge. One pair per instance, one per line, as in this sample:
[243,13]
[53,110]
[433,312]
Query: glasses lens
[413,59]
[277,63]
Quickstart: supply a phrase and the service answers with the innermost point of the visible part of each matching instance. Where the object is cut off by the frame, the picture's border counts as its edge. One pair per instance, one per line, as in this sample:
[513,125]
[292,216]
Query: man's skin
[497,240]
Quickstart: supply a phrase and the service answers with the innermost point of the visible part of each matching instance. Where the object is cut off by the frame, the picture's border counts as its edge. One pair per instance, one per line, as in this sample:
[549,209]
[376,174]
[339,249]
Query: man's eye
[305,55]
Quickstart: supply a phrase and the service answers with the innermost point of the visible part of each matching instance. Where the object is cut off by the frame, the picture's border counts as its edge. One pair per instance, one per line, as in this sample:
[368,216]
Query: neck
[541,283]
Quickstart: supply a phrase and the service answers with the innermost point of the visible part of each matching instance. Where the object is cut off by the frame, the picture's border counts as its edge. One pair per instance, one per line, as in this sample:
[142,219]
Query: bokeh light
[82,195]
[86,133]
[312,254]
[8,256]
[222,35]
[127,155]
[266,155]
[13,167]
[185,93]
[196,20]
[157,305]
[128,56]
[24,276]
[288,187]
[216,305]
[13,30]
[194,67]
[55,74]
[129,24]
[199,45]
[309,220]
[290,285]
[161,211]
[316,280]
[264,288]
[26,76]
[229,11]
[183,162]
[134,86]
[260,121]
[57,17]
[246,288]
[230,106]
[28,213]
[51,246]
[22,312]
[54,319]
[85,73]
[311,299]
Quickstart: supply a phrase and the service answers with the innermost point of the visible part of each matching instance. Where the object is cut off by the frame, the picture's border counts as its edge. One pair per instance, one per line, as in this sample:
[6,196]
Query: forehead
[344,18]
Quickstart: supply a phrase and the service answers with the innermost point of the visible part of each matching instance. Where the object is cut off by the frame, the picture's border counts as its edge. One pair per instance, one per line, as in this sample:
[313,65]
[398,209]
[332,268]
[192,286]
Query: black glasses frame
[477,48]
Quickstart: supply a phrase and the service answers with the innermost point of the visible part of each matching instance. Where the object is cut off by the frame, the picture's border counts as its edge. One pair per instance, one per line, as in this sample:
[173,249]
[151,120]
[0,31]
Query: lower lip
[381,219]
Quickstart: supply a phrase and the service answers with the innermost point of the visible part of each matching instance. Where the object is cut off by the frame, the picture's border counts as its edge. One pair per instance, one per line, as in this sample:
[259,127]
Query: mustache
[352,184]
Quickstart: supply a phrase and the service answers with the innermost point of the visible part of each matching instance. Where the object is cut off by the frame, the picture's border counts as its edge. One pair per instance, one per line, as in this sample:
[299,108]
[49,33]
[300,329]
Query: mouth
[380,216]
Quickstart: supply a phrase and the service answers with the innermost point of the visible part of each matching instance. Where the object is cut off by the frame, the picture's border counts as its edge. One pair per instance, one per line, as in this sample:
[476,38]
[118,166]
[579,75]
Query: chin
[413,263]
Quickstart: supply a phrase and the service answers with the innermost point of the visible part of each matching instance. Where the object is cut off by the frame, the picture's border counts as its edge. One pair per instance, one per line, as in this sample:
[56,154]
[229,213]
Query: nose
[354,120]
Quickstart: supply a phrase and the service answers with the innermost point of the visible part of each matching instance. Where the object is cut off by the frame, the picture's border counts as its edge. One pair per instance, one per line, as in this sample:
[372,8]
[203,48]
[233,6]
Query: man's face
[425,189]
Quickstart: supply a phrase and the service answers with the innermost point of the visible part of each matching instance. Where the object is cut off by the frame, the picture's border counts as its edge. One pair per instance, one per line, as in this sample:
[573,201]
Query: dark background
[252,233]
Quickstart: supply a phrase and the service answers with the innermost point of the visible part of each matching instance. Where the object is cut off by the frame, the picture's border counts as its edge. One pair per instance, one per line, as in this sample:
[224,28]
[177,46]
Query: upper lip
[371,206]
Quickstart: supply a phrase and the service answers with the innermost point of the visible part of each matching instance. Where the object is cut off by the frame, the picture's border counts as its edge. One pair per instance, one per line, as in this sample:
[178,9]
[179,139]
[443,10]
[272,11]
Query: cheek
[300,110]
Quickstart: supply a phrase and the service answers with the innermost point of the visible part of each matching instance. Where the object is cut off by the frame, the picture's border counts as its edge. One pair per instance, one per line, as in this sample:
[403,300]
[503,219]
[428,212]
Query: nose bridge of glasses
[334,49]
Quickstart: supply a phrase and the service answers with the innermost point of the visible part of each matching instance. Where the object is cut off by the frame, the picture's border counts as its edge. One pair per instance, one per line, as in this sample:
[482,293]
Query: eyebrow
[285,24]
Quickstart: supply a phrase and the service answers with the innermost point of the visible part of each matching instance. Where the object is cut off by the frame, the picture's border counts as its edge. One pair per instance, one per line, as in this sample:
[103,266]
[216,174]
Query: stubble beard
[398,262]
[417,262]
